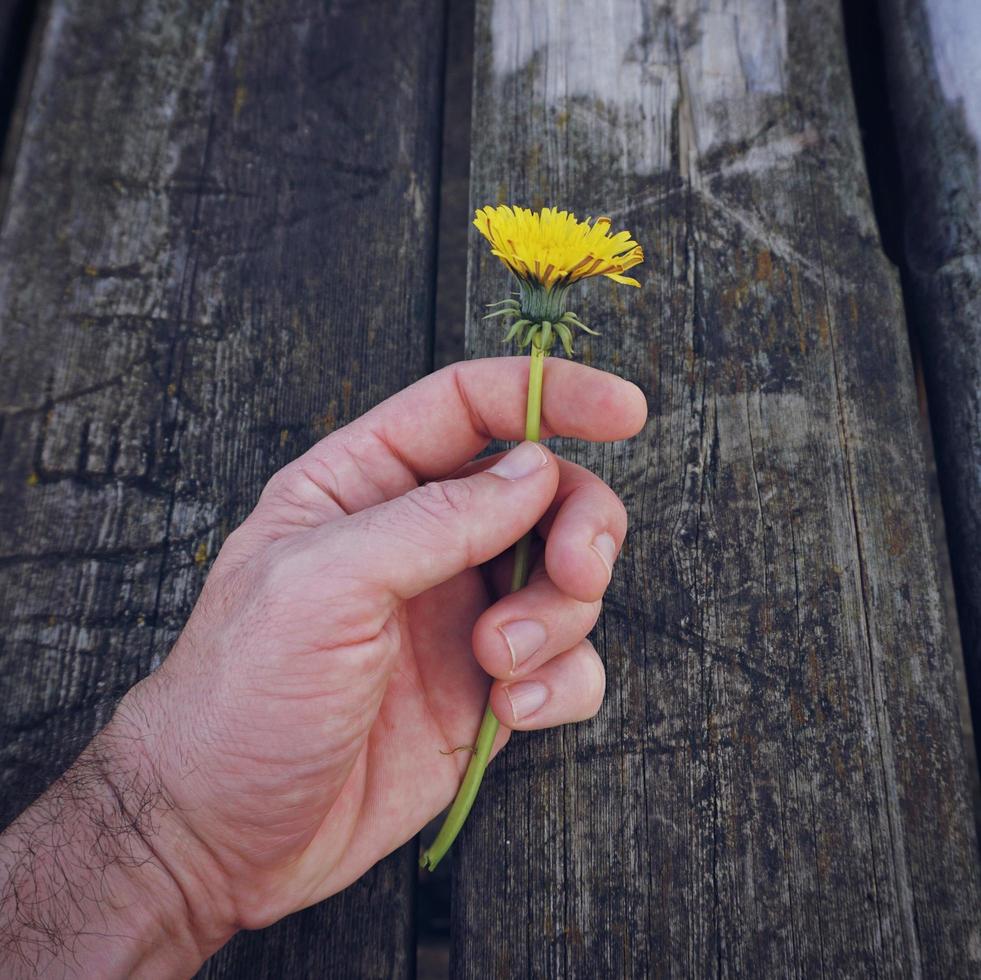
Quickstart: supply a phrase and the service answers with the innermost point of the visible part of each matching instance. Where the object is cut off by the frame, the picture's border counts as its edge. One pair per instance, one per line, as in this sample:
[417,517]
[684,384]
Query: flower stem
[467,792]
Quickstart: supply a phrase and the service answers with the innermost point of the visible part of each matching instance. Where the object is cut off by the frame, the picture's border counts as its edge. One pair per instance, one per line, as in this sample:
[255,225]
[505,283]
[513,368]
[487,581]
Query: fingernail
[526,698]
[605,546]
[524,637]
[521,461]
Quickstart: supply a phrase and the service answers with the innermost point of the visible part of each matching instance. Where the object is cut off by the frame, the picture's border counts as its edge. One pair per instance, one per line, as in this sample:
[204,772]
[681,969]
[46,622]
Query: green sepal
[565,335]
[516,328]
[572,320]
[541,332]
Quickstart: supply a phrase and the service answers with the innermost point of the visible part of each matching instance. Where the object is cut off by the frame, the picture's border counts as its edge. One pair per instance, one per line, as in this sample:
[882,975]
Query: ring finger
[567,688]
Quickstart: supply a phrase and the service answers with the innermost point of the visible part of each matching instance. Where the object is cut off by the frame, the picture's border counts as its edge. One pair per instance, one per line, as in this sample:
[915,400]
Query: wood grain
[933,61]
[218,247]
[775,785]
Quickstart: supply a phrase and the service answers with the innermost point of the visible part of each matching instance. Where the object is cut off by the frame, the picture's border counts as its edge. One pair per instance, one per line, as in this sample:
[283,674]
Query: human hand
[304,724]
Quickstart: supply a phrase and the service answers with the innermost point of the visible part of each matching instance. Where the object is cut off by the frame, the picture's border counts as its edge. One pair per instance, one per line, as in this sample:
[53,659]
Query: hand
[304,724]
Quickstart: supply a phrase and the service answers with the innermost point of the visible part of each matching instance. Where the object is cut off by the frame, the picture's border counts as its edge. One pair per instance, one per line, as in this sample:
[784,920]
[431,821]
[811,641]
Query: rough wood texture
[454,185]
[776,784]
[219,246]
[934,61]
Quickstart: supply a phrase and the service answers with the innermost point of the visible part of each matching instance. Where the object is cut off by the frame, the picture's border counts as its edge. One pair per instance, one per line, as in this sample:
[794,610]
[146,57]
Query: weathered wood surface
[454,185]
[934,63]
[775,785]
[219,245]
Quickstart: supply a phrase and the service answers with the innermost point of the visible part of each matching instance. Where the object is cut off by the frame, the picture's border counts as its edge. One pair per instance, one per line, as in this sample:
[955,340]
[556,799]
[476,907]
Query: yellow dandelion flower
[552,248]
[548,251]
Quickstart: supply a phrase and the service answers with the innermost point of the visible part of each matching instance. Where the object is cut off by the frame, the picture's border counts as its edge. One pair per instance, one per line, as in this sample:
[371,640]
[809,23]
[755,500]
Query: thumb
[425,537]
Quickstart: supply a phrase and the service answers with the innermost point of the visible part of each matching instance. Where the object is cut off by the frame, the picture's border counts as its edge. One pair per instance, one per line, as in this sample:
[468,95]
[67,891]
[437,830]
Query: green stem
[467,793]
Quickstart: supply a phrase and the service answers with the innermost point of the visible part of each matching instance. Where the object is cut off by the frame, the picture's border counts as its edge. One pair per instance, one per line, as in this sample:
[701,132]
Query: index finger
[433,427]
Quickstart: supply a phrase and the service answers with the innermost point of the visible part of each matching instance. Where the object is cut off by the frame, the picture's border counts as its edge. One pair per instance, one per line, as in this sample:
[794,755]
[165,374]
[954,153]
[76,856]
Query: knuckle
[278,573]
[602,496]
[237,540]
[595,685]
[285,488]
[616,513]
[276,484]
[591,613]
[440,500]
[303,483]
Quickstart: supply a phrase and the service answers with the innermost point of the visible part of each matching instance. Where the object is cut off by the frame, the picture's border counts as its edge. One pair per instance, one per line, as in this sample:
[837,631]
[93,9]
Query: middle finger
[529,627]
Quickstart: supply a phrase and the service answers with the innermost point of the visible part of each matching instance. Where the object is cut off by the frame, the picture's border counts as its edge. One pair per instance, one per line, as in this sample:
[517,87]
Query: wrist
[179,871]
[96,879]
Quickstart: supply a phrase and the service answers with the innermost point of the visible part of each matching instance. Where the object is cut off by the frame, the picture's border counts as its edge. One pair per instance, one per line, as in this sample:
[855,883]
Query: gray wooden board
[218,247]
[933,59]
[775,785]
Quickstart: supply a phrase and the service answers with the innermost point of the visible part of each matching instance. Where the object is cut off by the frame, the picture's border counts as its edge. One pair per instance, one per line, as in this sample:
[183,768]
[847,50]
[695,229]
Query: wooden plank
[775,785]
[219,246]
[454,184]
[933,61]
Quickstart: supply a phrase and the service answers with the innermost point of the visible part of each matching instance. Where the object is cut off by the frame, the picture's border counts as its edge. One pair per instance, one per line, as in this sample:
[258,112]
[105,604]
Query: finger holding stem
[489,726]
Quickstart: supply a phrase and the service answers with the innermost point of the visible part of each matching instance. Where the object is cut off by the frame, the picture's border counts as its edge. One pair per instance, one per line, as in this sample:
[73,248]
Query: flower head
[552,248]
[547,251]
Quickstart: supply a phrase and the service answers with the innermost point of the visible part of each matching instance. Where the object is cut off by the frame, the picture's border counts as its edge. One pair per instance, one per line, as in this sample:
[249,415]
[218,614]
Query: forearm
[87,879]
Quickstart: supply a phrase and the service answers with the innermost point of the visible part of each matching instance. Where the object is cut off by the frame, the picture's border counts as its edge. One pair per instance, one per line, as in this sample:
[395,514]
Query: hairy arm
[89,875]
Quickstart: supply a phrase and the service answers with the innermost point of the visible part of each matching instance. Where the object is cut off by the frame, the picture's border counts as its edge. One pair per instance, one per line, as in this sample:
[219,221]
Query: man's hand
[304,724]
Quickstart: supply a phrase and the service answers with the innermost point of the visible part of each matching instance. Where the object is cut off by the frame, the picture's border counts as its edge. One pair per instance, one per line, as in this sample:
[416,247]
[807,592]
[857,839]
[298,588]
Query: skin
[303,725]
